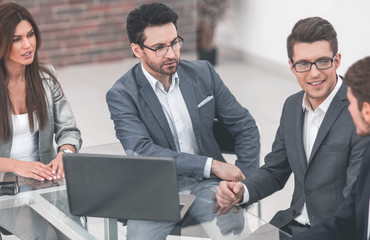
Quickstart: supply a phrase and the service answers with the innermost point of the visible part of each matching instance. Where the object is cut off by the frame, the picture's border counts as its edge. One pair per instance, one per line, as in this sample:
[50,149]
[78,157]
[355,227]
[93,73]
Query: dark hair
[11,14]
[310,30]
[357,78]
[154,14]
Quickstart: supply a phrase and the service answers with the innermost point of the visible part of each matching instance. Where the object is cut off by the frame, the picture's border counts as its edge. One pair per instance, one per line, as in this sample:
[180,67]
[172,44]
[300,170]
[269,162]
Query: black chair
[223,138]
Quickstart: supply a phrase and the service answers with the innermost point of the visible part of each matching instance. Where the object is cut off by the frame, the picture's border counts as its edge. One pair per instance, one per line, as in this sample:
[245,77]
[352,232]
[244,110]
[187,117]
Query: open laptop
[116,186]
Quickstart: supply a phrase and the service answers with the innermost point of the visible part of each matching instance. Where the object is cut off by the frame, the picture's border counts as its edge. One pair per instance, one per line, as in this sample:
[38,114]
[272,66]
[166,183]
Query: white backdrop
[259,28]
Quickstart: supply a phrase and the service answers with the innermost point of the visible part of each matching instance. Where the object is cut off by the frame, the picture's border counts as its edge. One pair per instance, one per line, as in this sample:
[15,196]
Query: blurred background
[245,39]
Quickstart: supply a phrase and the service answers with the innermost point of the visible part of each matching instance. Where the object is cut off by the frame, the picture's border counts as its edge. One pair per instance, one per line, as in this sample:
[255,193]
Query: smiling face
[157,36]
[23,47]
[317,84]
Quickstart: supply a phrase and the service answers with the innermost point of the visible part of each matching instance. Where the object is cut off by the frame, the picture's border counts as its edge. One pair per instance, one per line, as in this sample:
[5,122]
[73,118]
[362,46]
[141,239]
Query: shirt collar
[324,106]
[156,84]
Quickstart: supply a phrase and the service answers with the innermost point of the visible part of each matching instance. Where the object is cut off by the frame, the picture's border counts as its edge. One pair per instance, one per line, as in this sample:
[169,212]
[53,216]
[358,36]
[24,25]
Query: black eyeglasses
[163,50]
[9,188]
[321,64]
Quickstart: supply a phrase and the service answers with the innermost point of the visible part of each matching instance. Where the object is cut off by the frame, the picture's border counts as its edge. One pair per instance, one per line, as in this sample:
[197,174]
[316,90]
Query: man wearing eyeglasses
[165,107]
[316,139]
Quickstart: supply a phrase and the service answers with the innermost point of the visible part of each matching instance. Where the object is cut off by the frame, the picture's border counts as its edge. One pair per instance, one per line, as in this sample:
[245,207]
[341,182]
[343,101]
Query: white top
[312,123]
[24,142]
[178,117]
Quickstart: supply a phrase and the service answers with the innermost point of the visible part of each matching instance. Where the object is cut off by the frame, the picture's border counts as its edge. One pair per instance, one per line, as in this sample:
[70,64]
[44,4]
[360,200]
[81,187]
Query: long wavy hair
[11,14]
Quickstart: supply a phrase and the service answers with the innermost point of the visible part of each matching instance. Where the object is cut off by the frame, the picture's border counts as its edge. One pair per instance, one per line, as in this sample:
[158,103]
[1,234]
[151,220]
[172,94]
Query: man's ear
[136,49]
[366,111]
[291,66]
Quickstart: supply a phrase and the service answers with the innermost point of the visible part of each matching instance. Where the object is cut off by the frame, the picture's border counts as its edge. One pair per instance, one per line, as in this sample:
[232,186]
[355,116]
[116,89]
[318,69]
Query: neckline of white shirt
[154,82]
[324,106]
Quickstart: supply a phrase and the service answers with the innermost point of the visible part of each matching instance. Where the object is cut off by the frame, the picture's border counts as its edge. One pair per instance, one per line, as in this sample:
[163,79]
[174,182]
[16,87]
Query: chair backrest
[223,138]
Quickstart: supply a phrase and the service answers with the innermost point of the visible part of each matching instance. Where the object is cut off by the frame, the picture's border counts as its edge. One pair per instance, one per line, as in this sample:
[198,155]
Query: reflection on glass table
[39,211]
[43,207]
[238,224]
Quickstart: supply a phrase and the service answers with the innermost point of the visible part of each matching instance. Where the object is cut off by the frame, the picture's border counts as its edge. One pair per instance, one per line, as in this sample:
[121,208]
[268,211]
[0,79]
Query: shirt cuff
[245,196]
[207,168]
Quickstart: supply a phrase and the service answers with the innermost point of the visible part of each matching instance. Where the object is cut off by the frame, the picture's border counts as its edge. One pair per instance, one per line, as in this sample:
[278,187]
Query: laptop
[125,187]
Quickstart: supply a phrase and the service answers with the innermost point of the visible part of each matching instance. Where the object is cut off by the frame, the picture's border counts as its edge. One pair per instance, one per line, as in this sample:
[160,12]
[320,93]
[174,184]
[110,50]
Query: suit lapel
[188,93]
[151,99]
[299,134]
[331,115]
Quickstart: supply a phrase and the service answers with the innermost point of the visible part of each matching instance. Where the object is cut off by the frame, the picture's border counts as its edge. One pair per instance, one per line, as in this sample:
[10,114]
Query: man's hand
[226,171]
[228,194]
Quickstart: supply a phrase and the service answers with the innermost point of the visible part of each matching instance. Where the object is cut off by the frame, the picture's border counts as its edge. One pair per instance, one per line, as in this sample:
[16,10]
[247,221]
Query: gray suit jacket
[331,171]
[142,127]
[60,123]
[350,221]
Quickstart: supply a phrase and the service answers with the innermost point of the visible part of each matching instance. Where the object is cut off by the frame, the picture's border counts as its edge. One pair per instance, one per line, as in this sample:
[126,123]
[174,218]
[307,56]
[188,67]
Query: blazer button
[294,212]
[308,191]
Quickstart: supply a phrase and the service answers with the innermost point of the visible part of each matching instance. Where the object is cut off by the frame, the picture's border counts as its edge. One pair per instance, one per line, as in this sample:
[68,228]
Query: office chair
[226,144]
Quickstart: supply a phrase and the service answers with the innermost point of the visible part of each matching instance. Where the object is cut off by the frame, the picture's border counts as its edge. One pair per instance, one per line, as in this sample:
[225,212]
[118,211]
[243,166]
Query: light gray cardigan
[60,123]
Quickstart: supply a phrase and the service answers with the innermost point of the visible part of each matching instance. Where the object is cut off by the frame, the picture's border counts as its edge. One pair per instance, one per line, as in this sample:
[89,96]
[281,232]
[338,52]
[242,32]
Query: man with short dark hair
[316,139]
[165,107]
[352,220]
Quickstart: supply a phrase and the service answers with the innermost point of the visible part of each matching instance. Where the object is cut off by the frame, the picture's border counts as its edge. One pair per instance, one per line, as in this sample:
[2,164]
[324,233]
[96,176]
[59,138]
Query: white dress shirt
[312,122]
[178,117]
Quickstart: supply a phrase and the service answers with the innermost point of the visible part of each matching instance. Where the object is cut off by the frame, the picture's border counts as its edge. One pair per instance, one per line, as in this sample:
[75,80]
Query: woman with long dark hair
[33,108]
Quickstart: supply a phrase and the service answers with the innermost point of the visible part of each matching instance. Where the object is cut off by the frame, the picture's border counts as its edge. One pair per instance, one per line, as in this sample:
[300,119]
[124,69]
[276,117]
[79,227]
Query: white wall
[260,27]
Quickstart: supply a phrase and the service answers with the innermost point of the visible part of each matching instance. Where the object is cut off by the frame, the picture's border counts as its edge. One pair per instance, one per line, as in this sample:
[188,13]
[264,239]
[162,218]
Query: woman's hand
[56,165]
[35,170]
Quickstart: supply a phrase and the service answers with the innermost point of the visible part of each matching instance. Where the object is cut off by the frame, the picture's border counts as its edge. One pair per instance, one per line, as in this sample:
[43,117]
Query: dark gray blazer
[142,127]
[351,219]
[328,176]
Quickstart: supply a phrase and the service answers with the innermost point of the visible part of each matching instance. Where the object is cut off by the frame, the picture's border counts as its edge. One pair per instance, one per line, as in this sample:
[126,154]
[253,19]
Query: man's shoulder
[194,65]
[295,98]
[128,80]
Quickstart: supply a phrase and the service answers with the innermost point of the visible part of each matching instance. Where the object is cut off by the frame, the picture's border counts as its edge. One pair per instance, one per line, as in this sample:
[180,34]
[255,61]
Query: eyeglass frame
[179,40]
[314,63]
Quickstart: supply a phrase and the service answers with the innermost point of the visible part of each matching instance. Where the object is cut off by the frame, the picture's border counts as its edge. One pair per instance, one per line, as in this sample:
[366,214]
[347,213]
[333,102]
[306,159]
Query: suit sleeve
[65,129]
[135,138]
[240,124]
[274,174]
[341,226]
[358,145]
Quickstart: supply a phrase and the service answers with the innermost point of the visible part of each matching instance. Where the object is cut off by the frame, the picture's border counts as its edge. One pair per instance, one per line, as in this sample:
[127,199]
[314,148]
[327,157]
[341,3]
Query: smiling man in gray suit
[316,139]
[165,107]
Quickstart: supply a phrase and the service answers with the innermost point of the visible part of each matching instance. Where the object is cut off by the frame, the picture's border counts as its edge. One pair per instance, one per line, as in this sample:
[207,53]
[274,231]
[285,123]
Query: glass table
[48,201]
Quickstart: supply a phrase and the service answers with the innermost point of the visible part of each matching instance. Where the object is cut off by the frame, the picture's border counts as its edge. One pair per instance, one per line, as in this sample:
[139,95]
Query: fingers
[228,194]
[42,171]
[243,177]
[57,166]
[224,209]
[225,190]
[238,187]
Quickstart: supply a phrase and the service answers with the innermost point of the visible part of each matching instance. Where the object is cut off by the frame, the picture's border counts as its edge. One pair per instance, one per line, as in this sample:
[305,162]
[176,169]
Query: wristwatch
[66,150]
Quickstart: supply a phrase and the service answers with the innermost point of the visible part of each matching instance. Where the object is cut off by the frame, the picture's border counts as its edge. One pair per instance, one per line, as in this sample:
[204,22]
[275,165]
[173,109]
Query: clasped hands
[231,190]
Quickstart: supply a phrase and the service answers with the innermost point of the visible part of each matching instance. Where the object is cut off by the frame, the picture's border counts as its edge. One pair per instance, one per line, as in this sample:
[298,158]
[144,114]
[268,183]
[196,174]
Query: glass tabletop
[43,207]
